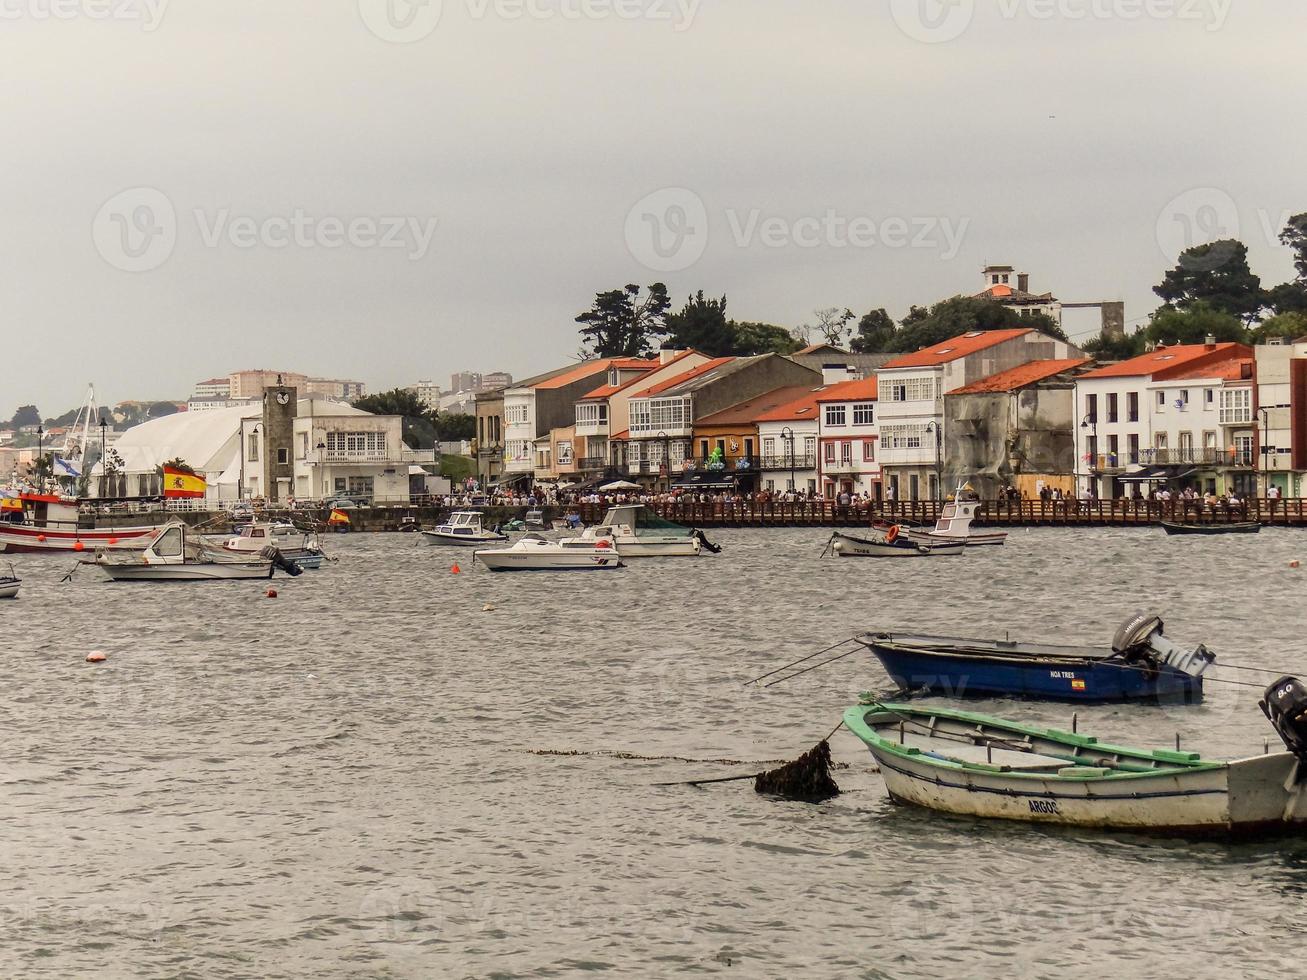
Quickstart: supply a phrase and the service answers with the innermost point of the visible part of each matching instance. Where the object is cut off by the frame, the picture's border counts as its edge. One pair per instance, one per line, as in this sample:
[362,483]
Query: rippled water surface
[340,781]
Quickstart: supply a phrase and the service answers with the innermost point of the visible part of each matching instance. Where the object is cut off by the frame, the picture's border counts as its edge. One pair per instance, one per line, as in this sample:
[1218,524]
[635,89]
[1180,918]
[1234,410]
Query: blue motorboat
[1141,665]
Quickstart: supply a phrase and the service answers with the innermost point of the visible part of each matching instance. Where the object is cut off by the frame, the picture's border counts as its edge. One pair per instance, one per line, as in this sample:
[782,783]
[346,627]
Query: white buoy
[488,607]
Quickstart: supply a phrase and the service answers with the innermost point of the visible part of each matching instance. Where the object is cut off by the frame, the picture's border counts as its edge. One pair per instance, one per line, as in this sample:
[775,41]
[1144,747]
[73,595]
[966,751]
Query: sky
[394,191]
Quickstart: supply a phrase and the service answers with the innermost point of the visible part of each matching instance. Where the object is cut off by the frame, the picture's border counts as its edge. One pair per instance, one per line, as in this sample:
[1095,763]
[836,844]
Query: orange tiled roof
[690,375]
[1166,360]
[1231,370]
[607,391]
[1020,376]
[802,408]
[572,375]
[750,411]
[848,391]
[956,347]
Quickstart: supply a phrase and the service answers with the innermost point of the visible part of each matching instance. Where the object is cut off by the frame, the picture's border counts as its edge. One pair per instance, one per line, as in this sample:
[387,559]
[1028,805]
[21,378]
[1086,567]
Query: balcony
[800,461]
[592,464]
[641,468]
[490,452]
[840,466]
[358,456]
[591,427]
[1108,462]
[732,464]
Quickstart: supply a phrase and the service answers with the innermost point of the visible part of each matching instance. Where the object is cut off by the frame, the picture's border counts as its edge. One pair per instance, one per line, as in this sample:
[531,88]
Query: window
[1132,407]
[769,446]
[357,444]
[864,413]
[565,454]
[1161,401]
[1091,408]
[914,389]
[846,452]
[835,415]
[810,447]
[868,451]
[1132,447]
[254,447]
[283,456]
[830,452]
[591,413]
[1236,406]
[304,445]
[1160,442]
[1112,406]
[703,448]
[1209,397]
[633,453]
[902,436]
[1186,442]
[516,415]
[1209,441]
[1113,450]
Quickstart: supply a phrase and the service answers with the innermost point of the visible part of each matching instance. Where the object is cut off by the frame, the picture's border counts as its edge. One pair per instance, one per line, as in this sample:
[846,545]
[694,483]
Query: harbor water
[371,775]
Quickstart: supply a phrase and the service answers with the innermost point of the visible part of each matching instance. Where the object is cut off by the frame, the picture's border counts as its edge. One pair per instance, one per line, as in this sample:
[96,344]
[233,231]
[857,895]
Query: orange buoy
[271,593]
[455,570]
[602,543]
[41,538]
[78,546]
[892,534]
[96,657]
[113,540]
[1295,564]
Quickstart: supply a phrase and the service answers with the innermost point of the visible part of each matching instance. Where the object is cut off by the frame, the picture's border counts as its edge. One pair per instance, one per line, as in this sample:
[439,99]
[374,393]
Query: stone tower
[280,407]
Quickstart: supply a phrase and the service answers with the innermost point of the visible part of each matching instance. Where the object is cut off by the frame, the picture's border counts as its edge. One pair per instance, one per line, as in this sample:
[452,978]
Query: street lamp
[932,425]
[1090,422]
[1265,447]
[104,459]
[240,490]
[788,435]
[667,459]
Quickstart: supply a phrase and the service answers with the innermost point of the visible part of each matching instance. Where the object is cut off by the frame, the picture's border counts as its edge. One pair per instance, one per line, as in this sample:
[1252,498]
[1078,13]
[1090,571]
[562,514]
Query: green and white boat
[975,765]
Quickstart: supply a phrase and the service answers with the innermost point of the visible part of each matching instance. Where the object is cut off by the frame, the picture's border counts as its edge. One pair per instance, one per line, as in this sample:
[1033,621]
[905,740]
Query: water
[339,782]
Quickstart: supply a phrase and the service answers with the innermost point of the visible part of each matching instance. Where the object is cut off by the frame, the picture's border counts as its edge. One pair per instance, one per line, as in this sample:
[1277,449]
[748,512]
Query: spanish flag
[338,517]
[177,483]
[11,503]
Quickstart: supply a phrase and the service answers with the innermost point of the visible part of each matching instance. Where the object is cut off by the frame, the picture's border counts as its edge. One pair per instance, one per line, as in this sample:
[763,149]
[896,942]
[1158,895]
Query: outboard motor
[712,549]
[1285,704]
[279,560]
[1141,636]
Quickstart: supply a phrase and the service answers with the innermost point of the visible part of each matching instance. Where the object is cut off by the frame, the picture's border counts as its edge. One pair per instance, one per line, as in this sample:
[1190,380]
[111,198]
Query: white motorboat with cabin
[954,524]
[9,584]
[636,532]
[295,544]
[535,553]
[178,553]
[466,528]
[42,522]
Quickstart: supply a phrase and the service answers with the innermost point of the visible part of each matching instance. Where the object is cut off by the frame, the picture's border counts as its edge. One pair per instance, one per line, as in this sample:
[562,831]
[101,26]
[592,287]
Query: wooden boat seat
[979,754]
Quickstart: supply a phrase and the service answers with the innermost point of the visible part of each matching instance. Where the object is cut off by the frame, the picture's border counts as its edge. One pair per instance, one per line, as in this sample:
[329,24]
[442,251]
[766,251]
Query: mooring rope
[778,670]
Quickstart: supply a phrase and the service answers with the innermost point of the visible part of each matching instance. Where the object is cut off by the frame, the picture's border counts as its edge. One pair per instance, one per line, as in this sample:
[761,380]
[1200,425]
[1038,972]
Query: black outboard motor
[1285,704]
[279,560]
[713,549]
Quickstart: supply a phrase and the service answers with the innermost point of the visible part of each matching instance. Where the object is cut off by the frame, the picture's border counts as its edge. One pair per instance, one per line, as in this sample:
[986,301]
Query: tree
[622,324]
[455,428]
[875,332]
[419,422]
[1287,326]
[1115,348]
[26,415]
[1295,236]
[702,325]
[762,338]
[832,325]
[158,410]
[68,418]
[1216,274]
[176,463]
[963,314]
[1193,325]
[1288,297]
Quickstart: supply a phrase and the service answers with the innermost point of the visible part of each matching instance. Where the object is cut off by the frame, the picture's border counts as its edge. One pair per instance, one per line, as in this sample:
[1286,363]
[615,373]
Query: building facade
[847,451]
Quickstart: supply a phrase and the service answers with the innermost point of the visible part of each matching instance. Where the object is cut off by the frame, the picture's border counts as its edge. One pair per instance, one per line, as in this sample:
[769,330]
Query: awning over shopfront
[707,480]
[1158,474]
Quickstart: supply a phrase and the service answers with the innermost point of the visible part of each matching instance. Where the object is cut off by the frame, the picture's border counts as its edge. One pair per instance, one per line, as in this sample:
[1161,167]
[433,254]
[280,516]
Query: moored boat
[1141,664]
[954,524]
[41,523]
[294,544]
[9,584]
[969,764]
[1243,527]
[638,533]
[534,553]
[179,554]
[889,542]
[465,528]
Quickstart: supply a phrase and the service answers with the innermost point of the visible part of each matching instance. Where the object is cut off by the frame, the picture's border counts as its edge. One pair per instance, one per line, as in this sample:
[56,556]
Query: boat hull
[1243,528]
[21,538]
[1241,798]
[1046,678]
[973,539]
[203,572]
[9,590]
[676,548]
[516,561]
[849,546]
[463,540]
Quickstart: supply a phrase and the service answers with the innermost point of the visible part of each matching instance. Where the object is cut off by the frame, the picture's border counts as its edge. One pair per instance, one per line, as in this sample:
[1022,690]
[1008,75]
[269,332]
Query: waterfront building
[658,442]
[912,427]
[847,448]
[857,366]
[489,450]
[1007,287]
[1280,403]
[1156,419]
[788,437]
[1014,429]
[727,446]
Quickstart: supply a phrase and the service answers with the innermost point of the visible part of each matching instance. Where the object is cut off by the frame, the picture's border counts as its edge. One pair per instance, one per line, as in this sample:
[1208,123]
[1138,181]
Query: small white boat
[178,554]
[975,765]
[954,524]
[465,528]
[9,584]
[889,542]
[638,533]
[534,553]
[294,544]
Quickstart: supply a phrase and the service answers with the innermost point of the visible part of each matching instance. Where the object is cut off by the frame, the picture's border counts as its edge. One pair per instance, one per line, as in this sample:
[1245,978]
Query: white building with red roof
[846,456]
[911,399]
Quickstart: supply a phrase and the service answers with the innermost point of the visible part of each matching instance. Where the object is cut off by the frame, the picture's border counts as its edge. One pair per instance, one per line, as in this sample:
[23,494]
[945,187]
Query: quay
[399,516]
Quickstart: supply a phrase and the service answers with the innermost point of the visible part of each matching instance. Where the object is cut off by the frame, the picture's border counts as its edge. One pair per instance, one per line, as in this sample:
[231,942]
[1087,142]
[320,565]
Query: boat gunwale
[855,721]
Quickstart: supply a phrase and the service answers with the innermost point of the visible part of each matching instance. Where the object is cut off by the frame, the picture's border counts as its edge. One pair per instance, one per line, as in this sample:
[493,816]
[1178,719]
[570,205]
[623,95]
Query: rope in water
[634,757]
[773,673]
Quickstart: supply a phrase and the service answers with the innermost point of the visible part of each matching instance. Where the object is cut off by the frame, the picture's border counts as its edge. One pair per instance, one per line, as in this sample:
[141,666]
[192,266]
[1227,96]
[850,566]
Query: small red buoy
[1295,564]
[96,657]
[41,538]
[113,540]
[271,593]
[456,570]
[78,546]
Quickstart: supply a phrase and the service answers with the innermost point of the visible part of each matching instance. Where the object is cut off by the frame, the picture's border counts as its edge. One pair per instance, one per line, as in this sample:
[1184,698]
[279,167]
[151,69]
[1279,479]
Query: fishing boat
[179,554]
[1141,664]
[975,765]
[9,584]
[1243,527]
[295,544]
[636,532]
[889,542]
[535,553]
[43,522]
[954,524]
[465,528]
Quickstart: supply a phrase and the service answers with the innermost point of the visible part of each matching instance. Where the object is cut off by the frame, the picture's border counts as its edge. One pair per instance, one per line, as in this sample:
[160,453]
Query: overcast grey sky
[199,186]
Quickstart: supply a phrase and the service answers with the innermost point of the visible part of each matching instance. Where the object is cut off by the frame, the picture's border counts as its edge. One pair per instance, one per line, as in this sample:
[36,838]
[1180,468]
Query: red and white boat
[954,524]
[50,523]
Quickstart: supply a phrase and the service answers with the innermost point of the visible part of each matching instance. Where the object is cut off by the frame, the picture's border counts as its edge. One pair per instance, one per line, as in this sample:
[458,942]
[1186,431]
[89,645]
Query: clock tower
[280,407]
